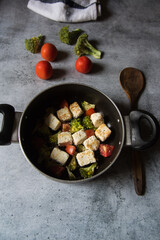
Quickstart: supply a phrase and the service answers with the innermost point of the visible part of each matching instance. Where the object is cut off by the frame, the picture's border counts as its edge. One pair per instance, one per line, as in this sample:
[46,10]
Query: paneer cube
[59,155]
[79,137]
[97,119]
[52,122]
[64,138]
[85,158]
[75,110]
[92,143]
[64,114]
[103,132]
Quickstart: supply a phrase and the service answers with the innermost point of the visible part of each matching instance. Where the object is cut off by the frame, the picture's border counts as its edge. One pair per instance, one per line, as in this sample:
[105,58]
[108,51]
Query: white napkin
[67,10]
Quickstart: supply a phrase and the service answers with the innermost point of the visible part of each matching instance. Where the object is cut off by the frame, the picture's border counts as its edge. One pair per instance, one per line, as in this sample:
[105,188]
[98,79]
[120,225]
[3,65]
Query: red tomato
[64,103]
[106,150]
[65,127]
[70,149]
[83,64]
[89,112]
[49,52]
[44,70]
[57,170]
[89,132]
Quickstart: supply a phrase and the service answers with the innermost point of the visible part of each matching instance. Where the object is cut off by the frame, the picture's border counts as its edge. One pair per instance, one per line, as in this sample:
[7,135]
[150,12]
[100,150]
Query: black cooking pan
[125,130]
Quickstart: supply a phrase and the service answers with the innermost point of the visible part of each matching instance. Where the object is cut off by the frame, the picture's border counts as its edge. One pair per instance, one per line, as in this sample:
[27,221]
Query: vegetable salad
[68,141]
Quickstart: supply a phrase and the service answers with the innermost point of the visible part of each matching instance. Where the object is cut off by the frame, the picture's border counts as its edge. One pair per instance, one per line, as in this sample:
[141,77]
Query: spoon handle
[138,172]
[137,165]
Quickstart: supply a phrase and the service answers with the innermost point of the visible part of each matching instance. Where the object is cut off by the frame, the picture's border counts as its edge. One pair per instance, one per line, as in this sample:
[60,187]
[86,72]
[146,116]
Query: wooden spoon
[132,82]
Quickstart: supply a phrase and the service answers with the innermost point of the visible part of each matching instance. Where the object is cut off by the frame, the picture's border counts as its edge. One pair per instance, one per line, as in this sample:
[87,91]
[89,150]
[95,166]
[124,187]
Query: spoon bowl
[132,82]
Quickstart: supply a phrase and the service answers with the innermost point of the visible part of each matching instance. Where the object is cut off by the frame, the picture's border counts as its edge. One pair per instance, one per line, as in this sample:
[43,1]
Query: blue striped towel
[67,10]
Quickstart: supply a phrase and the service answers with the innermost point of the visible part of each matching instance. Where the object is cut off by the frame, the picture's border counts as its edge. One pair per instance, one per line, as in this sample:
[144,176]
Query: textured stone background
[33,207]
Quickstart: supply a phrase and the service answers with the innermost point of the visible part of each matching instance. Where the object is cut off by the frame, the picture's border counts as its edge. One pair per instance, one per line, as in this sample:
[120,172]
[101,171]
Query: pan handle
[137,141]
[8,113]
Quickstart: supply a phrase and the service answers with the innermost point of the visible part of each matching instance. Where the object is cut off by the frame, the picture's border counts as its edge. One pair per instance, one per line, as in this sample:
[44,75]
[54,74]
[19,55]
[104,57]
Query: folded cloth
[67,10]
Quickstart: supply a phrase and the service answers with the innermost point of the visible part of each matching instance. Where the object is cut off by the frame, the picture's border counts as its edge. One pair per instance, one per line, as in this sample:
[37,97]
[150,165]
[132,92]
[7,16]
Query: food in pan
[69,140]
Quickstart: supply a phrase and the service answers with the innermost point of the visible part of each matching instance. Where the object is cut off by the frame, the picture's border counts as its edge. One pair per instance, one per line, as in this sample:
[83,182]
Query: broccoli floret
[73,163]
[34,44]
[83,47]
[87,123]
[86,106]
[81,148]
[49,110]
[87,172]
[42,130]
[70,174]
[44,152]
[75,125]
[53,139]
[44,155]
[69,37]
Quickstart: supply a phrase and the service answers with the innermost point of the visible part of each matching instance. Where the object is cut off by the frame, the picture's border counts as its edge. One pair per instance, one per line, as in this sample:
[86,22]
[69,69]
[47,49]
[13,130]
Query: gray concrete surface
[33,207]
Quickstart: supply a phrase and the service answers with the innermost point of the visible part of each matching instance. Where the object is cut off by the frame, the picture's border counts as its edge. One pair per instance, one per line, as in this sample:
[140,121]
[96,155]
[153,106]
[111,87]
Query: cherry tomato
[89,132]
[49,52]
[106,150]
[64,103]
[89,112]
[70,149]
[57,170]
[83,64]
[65,127]
[44,70]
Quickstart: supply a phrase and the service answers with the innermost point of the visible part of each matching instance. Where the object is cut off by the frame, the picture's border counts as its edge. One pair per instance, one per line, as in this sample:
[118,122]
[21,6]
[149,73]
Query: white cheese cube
[79,137]
[64,138]
[97,119]
[85,158]
[52,122]
[92,143]
[64,114]
[59,155]
[75,110]
[103,132]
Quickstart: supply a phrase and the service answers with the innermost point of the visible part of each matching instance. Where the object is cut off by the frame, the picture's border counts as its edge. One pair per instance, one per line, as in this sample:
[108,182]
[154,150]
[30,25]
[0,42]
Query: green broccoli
[53,139]
[44,152]
[75,125]
[49,110]
[34,44]
[83,47]
[44,159]
[69,37]
[87,123]
[81,148]
[73,163]
[87,172]
[42,130]
[44,155]
[70,174]
[86,106]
